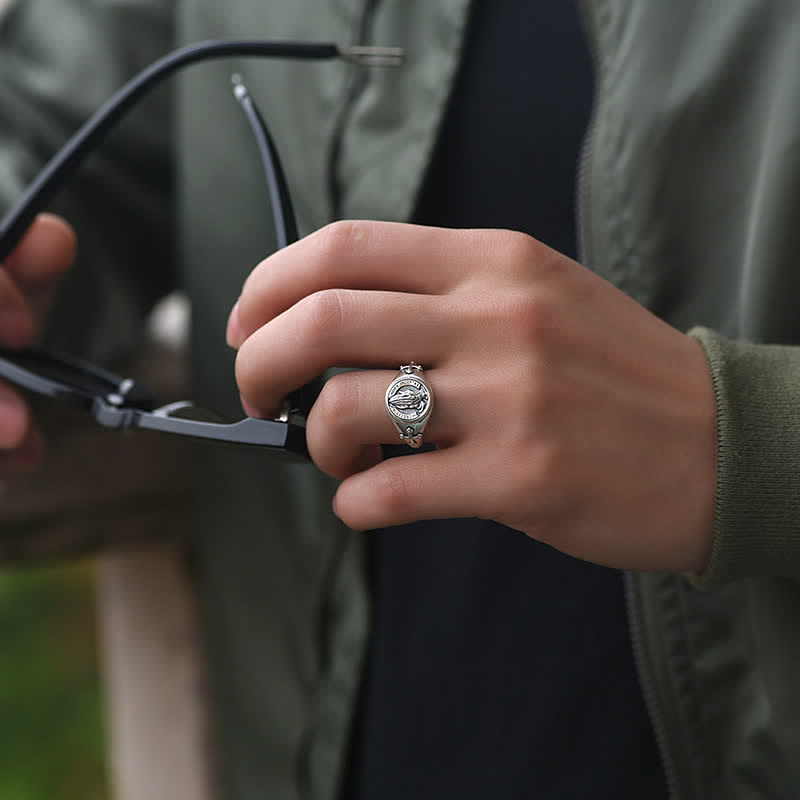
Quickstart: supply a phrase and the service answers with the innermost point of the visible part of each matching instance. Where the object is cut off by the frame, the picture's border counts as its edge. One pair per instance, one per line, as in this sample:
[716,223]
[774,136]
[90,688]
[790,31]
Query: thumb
[43,254]
[29,275]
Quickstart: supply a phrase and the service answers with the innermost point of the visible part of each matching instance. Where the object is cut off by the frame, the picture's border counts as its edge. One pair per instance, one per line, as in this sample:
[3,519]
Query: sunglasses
[122,403]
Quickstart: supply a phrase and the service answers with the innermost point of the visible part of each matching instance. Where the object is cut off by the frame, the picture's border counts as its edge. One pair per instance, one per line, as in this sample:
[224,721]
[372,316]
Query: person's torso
[696,110]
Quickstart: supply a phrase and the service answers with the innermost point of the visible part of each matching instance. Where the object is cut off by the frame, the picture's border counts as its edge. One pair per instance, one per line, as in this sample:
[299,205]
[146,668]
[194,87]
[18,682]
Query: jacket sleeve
[59,60]
[757,517]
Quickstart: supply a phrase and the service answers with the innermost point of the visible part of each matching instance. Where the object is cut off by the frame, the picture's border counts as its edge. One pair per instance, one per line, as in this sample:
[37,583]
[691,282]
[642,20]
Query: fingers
[349,420]
[357,255]
[21,445]
[44,253]
[29,275]
[341,328]
[438,485]
[17,319]
[27,280]
[15,419]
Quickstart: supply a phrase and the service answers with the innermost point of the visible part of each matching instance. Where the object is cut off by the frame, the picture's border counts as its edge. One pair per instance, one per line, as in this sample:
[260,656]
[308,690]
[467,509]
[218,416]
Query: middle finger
[341,328]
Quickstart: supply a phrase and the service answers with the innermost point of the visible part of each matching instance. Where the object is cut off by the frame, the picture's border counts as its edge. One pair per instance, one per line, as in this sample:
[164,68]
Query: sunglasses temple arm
[33,382]
[282,210]
[278,434]
[64,164]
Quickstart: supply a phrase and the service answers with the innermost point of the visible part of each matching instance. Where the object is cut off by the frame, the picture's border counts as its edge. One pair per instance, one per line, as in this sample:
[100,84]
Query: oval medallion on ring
[408,399]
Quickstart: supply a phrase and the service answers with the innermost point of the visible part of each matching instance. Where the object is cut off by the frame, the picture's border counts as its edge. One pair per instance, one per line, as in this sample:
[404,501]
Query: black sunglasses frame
[121,403]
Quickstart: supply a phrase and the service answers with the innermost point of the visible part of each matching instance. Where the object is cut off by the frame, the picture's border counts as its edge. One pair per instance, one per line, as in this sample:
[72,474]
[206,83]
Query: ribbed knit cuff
[757,516]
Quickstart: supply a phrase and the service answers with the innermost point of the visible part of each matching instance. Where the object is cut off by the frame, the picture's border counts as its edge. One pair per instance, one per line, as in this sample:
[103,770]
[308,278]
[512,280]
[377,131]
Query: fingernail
[233,333]
[16,327]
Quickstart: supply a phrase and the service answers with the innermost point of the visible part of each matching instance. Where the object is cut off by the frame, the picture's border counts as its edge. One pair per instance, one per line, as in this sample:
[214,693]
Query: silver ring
[409,402]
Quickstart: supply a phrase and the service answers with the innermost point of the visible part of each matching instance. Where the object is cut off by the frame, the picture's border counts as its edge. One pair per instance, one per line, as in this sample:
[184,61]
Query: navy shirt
[499,667]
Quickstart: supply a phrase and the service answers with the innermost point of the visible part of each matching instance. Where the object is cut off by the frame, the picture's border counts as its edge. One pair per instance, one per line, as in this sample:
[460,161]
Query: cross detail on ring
[409,368]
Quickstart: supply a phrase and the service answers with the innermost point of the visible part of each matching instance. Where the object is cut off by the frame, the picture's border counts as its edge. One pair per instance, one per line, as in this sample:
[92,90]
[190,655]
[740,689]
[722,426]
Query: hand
[28,279]
[562,408]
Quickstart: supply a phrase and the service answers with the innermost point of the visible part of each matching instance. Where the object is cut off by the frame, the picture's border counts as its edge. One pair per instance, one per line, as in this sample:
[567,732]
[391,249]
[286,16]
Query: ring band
[409,402]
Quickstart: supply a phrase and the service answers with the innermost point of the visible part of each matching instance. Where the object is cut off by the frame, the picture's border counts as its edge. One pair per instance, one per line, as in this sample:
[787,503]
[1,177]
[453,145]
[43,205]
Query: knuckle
[532,483]
[530,318]
[336,241]
[519,252]
[529,258]
[392,491]
[338,402]
[523,249]
[324,312]
[538,404]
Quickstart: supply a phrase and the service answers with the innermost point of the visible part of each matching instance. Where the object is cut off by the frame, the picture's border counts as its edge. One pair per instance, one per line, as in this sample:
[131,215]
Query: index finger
[384,256]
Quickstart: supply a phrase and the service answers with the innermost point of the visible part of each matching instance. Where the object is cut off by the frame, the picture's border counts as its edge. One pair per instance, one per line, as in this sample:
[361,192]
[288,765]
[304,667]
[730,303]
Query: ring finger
[349,422]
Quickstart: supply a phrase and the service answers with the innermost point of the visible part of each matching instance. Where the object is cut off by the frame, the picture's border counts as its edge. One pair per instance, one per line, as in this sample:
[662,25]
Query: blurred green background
[51,706]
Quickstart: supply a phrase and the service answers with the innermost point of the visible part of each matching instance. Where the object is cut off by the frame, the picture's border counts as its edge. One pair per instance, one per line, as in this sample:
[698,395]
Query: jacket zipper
[584,158]
[356,83]
[646,682]
[648,687]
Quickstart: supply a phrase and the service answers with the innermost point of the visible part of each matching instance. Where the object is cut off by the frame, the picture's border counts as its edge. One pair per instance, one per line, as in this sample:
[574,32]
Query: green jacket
[690,203]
